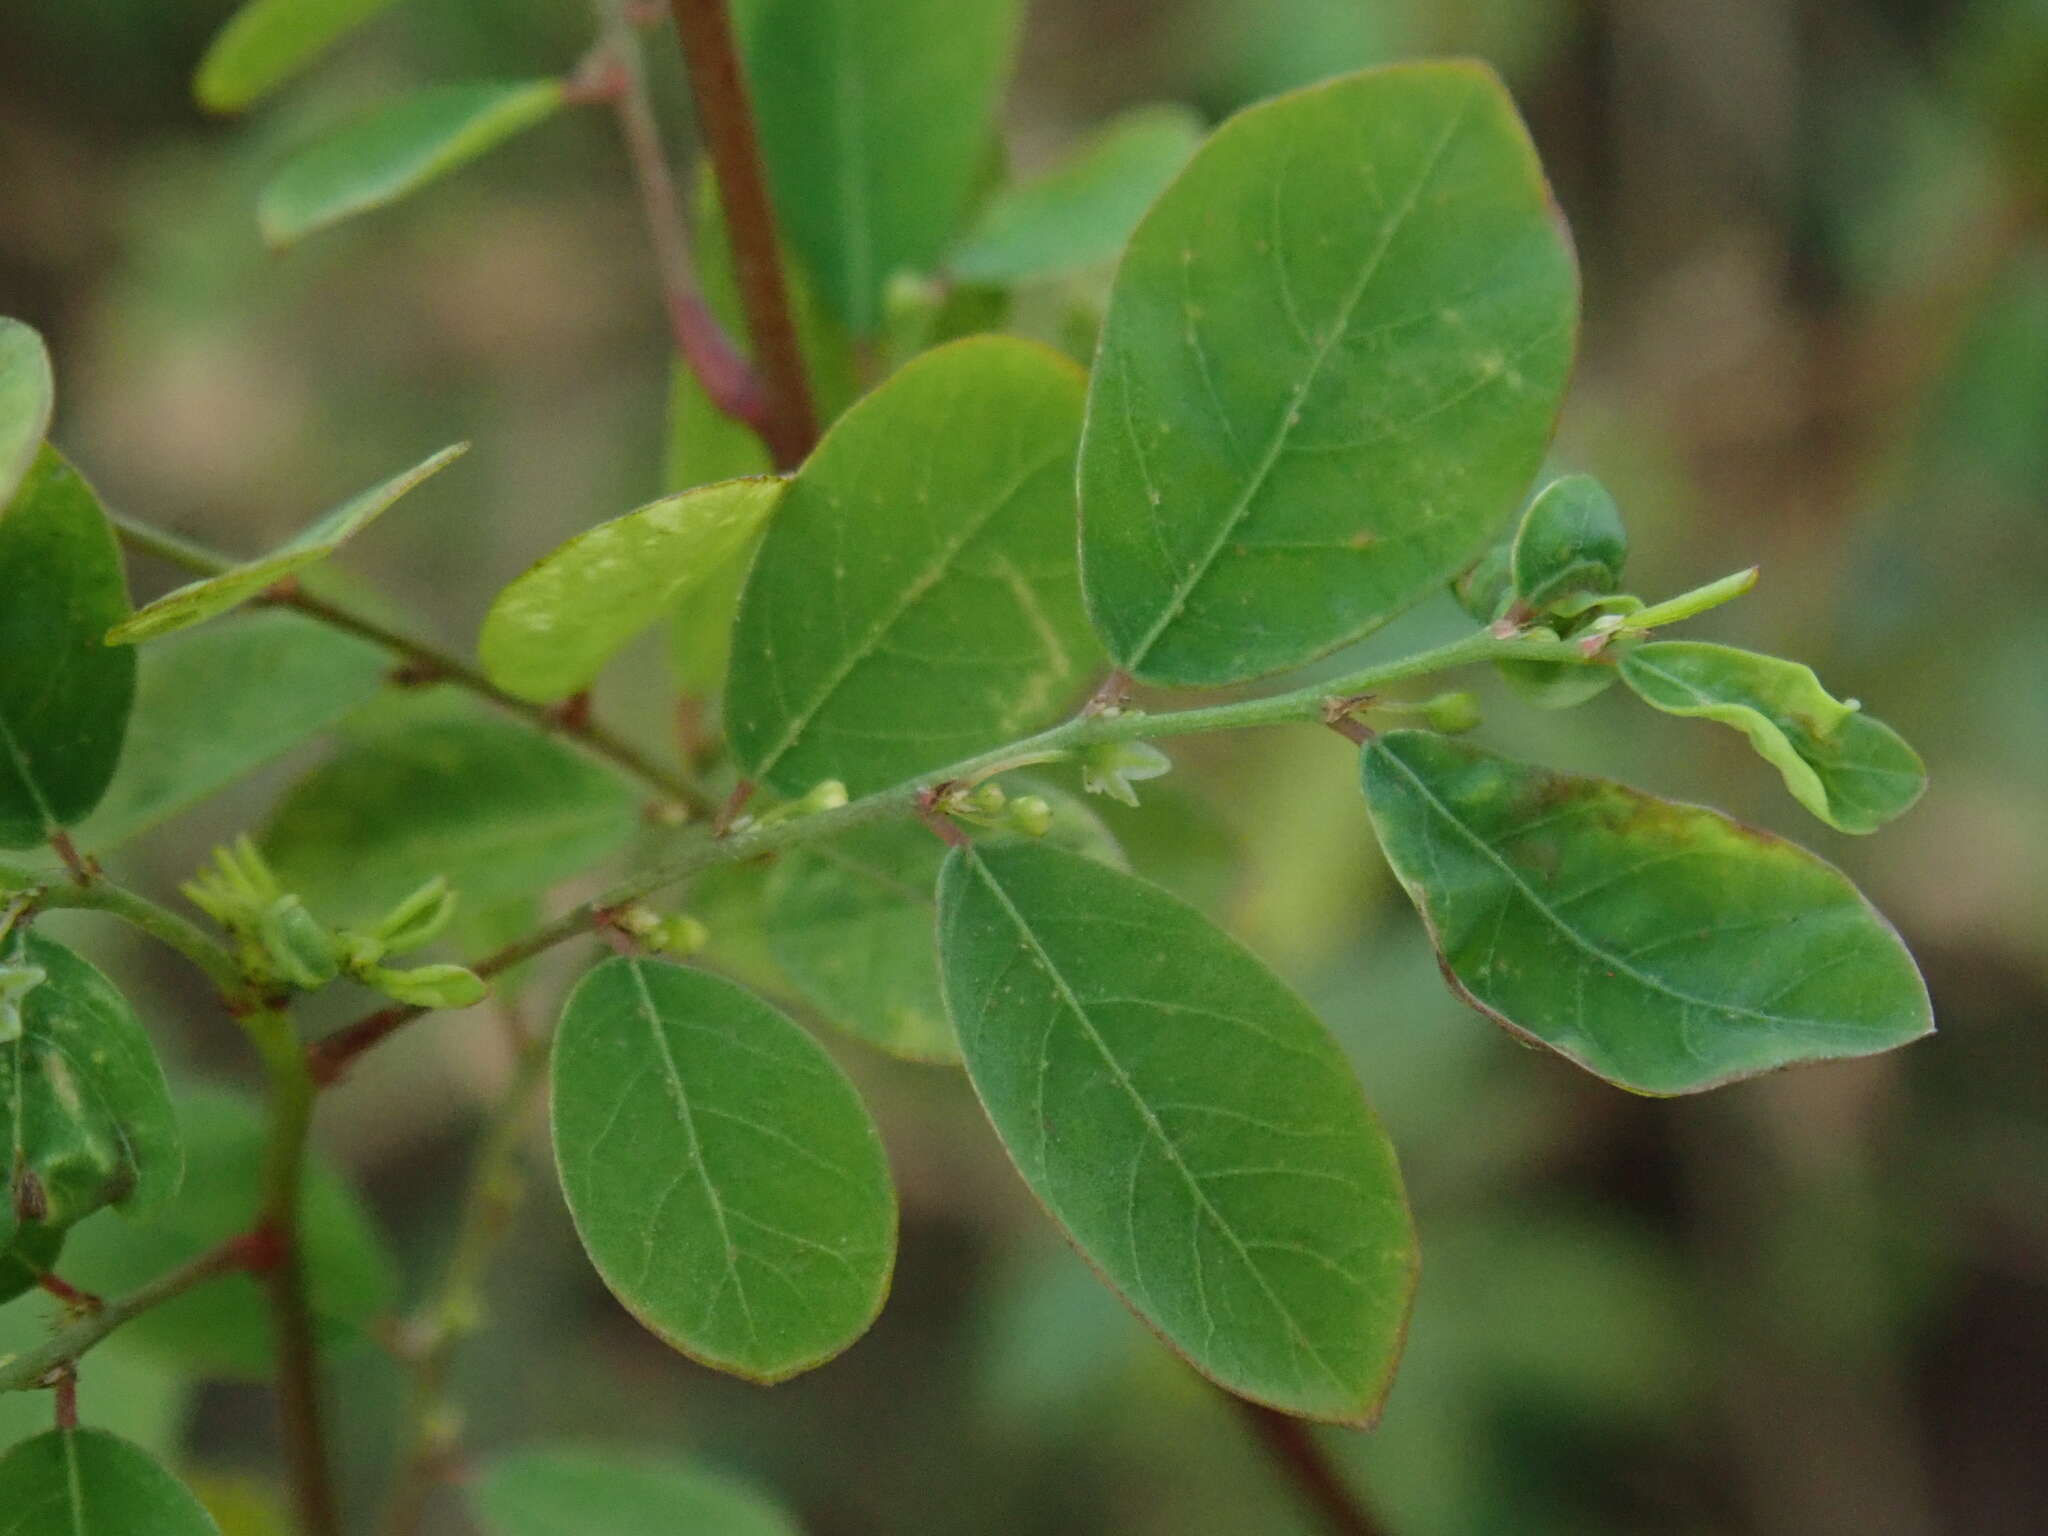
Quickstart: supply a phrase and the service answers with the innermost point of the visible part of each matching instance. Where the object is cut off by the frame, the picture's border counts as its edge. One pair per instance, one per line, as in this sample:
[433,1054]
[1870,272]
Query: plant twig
[329,1058]
[160,923]
[426,662]
[1301,1459]
[725,118]
[455,1309]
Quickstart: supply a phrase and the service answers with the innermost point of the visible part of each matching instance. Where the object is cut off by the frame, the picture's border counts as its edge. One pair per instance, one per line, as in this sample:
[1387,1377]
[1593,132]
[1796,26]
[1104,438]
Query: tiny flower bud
[1030,815]
[418,919]
[1451,712]
[429,986]
[298,948]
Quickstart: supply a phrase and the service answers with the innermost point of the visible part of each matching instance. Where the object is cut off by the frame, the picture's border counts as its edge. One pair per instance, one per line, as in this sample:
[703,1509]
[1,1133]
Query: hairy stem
[426,662]
[1299,1457]
[329,1057]
[455,1309]
[725,117]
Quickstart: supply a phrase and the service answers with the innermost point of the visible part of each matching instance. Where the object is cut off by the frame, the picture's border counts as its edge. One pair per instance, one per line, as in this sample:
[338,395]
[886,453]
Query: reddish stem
[1300,1457]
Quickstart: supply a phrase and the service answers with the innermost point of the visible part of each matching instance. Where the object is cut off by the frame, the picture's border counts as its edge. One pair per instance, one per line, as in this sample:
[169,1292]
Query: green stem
[160,923]
[430,663]
[329,1058]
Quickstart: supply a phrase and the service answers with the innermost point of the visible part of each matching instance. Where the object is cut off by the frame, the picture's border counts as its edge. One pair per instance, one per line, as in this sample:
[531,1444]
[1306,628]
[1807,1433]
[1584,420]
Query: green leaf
[1332,359]
[722,1172]
[198,601]
[83,1107]
[569,1491]
[64,697]
[914,598]
[220,702]
[86,1482]
[875,120]
[219,1329]
[1570,543]
[1853,772]
[396,149]
[266,42]
[551,631]
[502,812]
[1663,947]
[1187,1120]
[849,922]
[1083,210]
[28,394]
[25,1257]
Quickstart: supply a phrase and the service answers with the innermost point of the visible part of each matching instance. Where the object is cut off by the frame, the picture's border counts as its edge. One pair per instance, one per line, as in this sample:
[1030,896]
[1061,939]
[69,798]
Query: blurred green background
[1816,247]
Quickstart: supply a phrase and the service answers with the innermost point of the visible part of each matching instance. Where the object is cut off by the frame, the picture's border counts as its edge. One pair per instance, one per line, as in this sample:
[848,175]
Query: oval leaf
[503,813]
[722,1172]
[1187,1120]
[877,184]
[1853,772]
[849,922]
[86,1482]
[64,696]
[551,631]
[83,1104]
[220,1328]
[198,601]
[1331,363]
[28,394]
[385,154]
[1083,210]
[1663,947]
[911,606]
[567,1491]
[266,42]
[1570,543]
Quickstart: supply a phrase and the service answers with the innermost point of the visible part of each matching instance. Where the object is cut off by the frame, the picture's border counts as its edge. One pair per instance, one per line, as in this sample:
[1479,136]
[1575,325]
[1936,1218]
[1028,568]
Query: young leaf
[198,601]
[1083,210]
[86,1482]
[220,702]
[501,812]
[83,1107]
[27,396]
[568,1491]
[875,121]
[64,697]
[1853,772]
[1331,363]
[1570,543]
[911,607]
[396,149]
[722,1172]
[219,1329]
[849,921]
[266,42]
[551,631]
[1187,1120]
[1662,947]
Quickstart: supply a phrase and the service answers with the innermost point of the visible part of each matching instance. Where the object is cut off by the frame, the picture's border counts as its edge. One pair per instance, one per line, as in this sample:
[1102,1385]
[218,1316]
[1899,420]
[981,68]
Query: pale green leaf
[86,1482]
[570,1491]
[550,632]
[1853,772]
[1660,946]
[220,1328]
[27,396]
[385,154]
[266,42]
[64,696]
[722,1172]
[914,599]
[875,117]
[84,1112]
[1187,1120]
[1332,359]
[1082,210]
[198,601]
[502,812]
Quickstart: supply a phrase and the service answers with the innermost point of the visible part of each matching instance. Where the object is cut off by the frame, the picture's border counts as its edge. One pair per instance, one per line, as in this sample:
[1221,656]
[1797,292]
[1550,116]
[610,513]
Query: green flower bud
[680,935]
[429,986]
[1451,712]
[418,919]
[1030,815]
[298,948]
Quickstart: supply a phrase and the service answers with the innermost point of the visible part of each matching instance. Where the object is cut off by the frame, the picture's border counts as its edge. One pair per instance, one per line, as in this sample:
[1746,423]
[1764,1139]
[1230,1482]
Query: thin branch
[619,77]
[725,118]
[1301,1459]
[330,1057]
[160,923]
[426,662]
